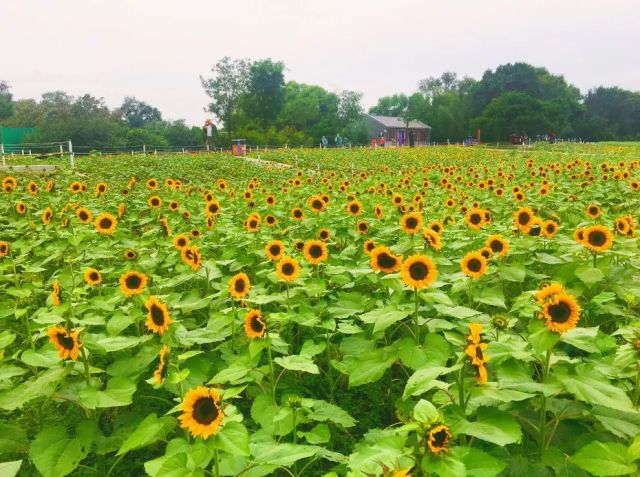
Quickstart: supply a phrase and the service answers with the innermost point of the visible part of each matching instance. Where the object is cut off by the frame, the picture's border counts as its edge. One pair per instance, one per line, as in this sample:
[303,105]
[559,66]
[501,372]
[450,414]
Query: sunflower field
[404,312]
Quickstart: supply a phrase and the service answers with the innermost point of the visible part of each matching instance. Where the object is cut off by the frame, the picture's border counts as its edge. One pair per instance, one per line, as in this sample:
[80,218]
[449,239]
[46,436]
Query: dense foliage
[402,312]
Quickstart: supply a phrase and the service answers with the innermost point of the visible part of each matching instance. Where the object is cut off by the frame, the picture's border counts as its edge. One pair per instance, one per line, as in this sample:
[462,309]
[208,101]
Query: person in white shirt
[209,131]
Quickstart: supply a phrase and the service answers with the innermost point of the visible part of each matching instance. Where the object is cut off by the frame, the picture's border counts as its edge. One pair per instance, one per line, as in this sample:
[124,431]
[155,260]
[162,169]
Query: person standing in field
[381,140]
[338,141]
[209,131]
[374,143]
[323,142]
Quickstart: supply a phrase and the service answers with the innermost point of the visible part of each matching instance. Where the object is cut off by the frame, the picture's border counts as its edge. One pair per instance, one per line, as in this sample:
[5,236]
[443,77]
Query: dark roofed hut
[395,130]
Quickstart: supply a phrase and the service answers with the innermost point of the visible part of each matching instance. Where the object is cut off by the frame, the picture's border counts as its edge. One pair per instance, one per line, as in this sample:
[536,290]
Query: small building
[395,130]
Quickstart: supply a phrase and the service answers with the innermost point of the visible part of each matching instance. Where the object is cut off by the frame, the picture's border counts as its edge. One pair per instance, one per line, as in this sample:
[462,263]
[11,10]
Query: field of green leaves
[403,312]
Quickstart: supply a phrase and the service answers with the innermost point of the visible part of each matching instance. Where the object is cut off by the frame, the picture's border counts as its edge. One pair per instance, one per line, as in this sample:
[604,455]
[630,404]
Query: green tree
[610,113]
[137,113]
[6,101]
[225,88]
[264,97]
[27,113]
[350,109]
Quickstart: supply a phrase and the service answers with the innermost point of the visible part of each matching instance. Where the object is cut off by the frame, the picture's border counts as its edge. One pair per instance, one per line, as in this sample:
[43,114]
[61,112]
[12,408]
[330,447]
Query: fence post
[71,156]
[61,151]
[22,151]
[155,152]
[144,149]
[132,152]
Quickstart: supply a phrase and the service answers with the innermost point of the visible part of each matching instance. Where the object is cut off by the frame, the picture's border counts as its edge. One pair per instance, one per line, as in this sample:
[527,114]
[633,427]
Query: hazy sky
[156,50]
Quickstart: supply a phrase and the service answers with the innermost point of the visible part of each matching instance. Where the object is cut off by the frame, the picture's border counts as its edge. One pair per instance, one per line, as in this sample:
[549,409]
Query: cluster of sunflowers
[232,294]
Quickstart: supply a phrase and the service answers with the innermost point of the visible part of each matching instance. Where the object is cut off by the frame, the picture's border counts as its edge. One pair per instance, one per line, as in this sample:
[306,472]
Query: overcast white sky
[156,50]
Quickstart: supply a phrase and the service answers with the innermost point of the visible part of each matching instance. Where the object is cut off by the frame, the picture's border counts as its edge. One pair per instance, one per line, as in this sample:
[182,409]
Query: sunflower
[195,233]
[9,183]
[158,317]
[274,250]
[315,251]
[75,187]
[383,260]
[368,246]
[316,204]
[191,256]
[498,245]
[154,202]
[593,211]
[4,248]
[213,207]
[287,269]
[252,224]
[436,226]
[475,218]
[65,342]
[152,184]
[21,208]
[622,226]
[562,313]
[161,371]
[121,209]
[578,235]
[270,220]
[411,223]
[432,239]
[239,285]
[84,215]
[378,211]
[32,188]
[486,252]
[164,223]
[201,412]
[474,265]
[56,293]
[297,214]
[354,208]
[438,438]
[418,271]
[324,234]
[362,227]
[597,238]
[254,327]
[101,188]
[105,224]
[132,283]
[180,241]
[130,254]
[173,206]
[549,292]
[47,214]
[549,228]
[522,218]
[93,277]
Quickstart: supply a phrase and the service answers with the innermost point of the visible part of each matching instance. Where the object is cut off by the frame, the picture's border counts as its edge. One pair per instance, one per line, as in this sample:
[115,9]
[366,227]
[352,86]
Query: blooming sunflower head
[66,342]
[384,260]
[133,283]
[274,250]
[474,265]
[498,245]
[315,251]
[105,224]
[158,317]
[561,313]
[411,223]
[93,277]
[254,326]
[597,238]
[287,269]
[4,248]
[239,285]
[418,271]
[201,414]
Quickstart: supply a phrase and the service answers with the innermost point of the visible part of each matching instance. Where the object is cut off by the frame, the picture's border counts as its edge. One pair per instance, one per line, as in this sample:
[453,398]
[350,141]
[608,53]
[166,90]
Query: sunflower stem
[636,391]
[271,371]
[595,259]
[543,405]
[461,400]
[216,460]
[87,374]
[415,317]
[233,325]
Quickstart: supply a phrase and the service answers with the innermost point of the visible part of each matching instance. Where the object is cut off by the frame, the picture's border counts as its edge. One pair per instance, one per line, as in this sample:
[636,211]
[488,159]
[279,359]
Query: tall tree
[6,101]
[225,88]
[349,108]
[137,113]
[265,93]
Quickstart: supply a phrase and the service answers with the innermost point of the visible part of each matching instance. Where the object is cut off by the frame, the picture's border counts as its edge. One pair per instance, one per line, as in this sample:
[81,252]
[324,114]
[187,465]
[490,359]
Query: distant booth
[396,132]
[239,147]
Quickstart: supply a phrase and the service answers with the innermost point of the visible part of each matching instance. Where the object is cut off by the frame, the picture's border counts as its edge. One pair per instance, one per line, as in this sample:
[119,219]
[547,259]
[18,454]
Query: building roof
[395,122]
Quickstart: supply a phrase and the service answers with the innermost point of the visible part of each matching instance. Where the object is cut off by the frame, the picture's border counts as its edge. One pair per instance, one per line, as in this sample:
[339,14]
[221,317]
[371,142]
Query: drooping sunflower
[133,283]
[47,215]
[287,269]
[191,256]
[158,317]
[411,223]
[4,248]
[354,208]
[593,211]
[274,250]
[84,215]
[432,239]
[93,277]
[597,238]
[562,313]
[56,293]
[438,439]
[201,414]
[315,251]
[239,285]
[180,241]
[498,245]
[473,265]
[418,271]
[254,327]
[66,342]
[378,211]
[401,473]
[105,224]
[384,260]
[161,371]
[522,218]
[154,202]
[121,209]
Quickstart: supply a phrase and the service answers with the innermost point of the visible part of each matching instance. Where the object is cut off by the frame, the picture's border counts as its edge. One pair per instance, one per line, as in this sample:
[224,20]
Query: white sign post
[71,156]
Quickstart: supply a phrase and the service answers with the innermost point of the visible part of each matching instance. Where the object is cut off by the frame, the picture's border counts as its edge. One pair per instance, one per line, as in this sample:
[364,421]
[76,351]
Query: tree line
[252,100]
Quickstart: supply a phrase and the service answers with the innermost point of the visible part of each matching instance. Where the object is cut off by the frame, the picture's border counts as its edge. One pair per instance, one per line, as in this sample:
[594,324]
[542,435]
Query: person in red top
[374,142]
[381,140]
